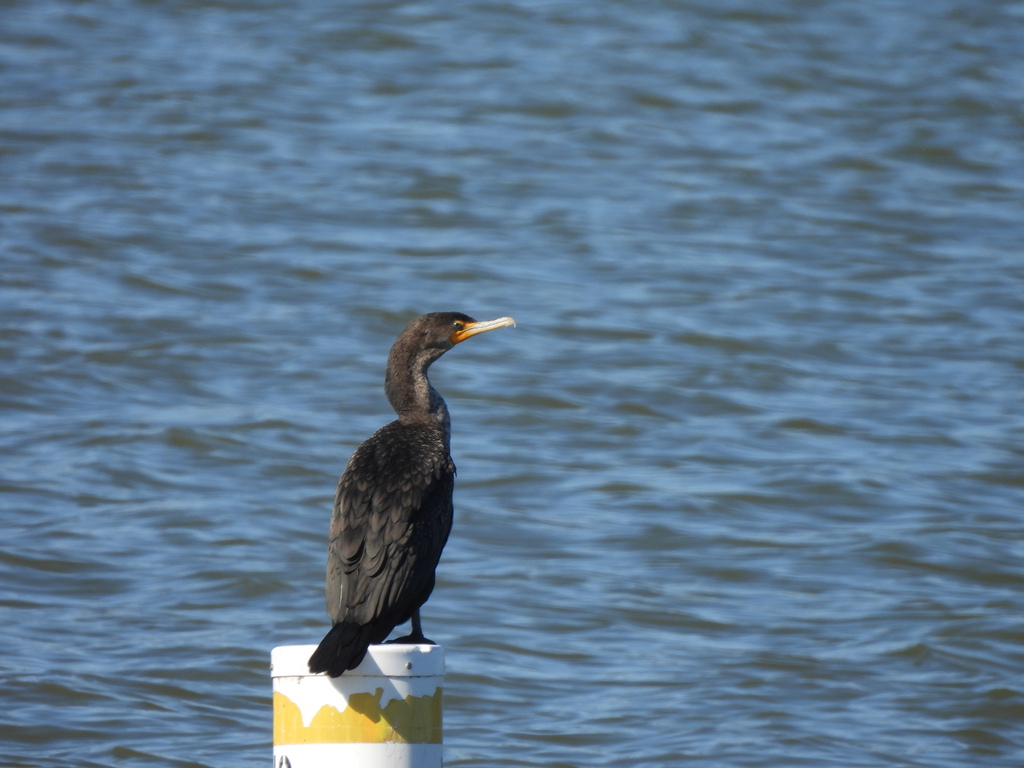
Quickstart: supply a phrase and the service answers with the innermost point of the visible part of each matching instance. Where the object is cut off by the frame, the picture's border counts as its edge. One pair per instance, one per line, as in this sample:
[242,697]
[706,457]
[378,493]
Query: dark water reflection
[743,489]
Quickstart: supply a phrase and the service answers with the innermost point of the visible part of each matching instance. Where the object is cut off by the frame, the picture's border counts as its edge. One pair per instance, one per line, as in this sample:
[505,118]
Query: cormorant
[393,505]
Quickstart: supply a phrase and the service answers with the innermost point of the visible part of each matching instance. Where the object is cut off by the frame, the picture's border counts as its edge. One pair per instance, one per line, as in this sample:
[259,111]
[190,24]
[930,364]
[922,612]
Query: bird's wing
[392,516]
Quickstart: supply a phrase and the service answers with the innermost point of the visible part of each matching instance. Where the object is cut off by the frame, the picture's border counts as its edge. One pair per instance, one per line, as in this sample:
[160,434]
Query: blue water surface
[745,486]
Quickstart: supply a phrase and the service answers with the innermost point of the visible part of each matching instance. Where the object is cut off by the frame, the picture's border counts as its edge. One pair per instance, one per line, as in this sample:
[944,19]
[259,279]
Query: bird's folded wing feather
[392,515]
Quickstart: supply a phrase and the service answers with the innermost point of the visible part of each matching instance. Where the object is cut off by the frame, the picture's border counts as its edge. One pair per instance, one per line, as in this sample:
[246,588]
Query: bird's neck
[415,401]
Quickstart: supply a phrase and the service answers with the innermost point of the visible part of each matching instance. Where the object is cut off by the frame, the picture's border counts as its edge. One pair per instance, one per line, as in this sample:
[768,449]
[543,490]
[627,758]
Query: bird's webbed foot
[412,640]
[416,636]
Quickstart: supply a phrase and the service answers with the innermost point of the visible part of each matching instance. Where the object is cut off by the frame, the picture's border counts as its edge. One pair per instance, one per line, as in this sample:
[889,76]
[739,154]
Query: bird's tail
[343,648]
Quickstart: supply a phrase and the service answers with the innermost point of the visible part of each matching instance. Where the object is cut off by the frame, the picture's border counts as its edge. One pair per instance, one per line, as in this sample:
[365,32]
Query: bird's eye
[458,326]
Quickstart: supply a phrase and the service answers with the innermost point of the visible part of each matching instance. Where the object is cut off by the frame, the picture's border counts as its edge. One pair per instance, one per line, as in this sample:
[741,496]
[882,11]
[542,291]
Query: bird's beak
[482,326]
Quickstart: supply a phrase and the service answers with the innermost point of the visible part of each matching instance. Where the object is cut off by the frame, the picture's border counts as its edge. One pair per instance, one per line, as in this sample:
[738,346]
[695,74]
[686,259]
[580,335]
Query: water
[743,489]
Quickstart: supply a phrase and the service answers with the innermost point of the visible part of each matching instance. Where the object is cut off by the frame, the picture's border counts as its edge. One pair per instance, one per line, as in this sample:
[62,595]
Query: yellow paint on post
[412,720]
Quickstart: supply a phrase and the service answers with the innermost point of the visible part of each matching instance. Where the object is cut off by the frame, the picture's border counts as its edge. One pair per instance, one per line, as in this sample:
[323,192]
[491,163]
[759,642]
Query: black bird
[393,506]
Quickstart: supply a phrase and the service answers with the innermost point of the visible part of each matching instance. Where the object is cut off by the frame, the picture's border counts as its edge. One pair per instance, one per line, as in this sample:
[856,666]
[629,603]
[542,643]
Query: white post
[385,713]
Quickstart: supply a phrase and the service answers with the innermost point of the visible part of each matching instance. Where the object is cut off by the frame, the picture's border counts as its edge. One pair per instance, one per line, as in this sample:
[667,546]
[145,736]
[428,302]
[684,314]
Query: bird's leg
[417,627]
[416,636]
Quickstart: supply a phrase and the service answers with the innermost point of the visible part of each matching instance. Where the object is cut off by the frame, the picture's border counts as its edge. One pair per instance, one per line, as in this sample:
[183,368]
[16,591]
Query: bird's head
[443,330]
